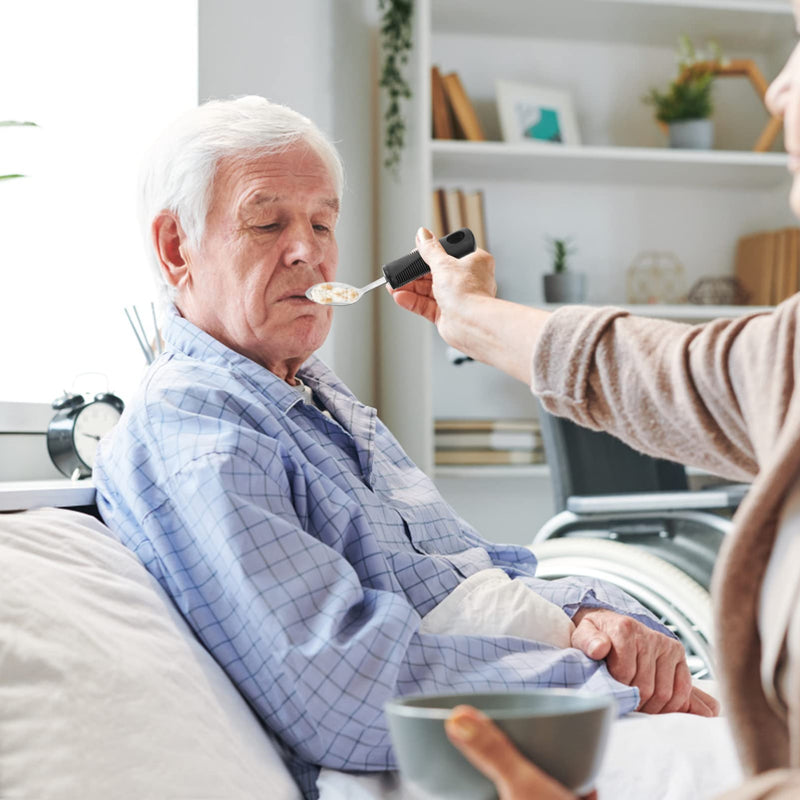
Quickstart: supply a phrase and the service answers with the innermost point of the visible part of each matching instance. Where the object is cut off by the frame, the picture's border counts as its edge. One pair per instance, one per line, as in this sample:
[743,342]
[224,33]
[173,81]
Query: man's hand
[638,656]
[489,750]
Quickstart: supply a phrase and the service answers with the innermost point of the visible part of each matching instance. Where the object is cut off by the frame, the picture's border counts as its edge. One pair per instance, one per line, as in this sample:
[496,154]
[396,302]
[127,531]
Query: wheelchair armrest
[720,497]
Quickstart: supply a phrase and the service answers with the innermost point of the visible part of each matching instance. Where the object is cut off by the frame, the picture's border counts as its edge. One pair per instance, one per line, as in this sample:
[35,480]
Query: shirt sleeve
[570,593]
[713,396]
[316,652]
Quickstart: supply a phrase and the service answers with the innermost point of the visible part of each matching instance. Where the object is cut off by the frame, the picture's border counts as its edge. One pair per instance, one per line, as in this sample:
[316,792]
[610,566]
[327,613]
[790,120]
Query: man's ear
[169,241]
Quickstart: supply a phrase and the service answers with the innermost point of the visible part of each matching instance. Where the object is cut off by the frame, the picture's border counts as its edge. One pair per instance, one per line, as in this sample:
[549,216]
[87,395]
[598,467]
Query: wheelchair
[631,520]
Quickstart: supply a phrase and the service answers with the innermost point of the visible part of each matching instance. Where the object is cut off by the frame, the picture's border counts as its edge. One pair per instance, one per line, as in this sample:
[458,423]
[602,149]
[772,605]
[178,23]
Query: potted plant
[562,285]
[686,106]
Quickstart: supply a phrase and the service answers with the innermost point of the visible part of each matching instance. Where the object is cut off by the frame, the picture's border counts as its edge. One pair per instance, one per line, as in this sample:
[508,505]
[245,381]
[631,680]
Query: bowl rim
[399,705]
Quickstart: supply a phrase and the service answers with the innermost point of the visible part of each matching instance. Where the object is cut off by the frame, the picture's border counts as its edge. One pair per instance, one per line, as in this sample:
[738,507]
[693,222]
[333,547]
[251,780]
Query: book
[452,219]
[478,457]
[437,214]
[447,424]
[467,124]
[791,282]
[488,440]
[441,113]
[779,266]
[753,268]
[472,215]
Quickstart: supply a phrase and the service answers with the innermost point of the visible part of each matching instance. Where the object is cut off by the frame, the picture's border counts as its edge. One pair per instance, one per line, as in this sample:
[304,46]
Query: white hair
[178,172]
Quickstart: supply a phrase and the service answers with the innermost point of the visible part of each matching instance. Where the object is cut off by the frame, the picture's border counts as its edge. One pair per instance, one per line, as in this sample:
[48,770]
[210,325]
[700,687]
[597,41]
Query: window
[100,79]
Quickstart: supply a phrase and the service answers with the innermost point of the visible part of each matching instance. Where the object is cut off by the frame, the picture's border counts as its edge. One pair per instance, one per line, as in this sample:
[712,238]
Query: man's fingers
[702,704]
[589,638]
[681,689]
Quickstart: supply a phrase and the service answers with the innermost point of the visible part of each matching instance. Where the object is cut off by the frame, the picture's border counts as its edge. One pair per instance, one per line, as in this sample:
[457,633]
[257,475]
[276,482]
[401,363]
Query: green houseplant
[562,285]
[395,29]
[10,124]
[686,106]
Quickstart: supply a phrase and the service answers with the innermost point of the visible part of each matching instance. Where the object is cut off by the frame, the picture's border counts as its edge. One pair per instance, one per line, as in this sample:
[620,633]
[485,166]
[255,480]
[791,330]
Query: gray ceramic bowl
[562,731]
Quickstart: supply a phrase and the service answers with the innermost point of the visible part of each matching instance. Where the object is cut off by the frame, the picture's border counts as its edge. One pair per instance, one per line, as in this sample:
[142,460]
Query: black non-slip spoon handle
[408,268]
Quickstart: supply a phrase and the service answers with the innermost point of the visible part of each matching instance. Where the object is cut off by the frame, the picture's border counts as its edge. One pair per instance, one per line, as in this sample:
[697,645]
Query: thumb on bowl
[491,752]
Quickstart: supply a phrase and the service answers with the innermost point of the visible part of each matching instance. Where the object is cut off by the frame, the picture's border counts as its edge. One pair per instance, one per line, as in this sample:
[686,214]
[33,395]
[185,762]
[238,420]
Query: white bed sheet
[664,757]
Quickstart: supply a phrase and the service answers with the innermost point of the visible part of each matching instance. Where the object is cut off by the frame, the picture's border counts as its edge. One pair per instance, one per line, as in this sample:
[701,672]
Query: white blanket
[664,757]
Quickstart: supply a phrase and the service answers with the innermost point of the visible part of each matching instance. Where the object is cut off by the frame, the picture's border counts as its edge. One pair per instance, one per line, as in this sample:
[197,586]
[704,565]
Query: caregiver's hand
[452,284]
[491,752]
[638,656]
[459,298]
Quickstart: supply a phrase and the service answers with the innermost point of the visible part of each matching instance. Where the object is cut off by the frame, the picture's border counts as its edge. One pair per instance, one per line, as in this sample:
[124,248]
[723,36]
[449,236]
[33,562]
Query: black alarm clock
[76,430]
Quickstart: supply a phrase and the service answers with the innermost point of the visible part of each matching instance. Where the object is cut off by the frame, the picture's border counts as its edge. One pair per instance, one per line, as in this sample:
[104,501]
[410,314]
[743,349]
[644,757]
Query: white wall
[316,56]
[99,78]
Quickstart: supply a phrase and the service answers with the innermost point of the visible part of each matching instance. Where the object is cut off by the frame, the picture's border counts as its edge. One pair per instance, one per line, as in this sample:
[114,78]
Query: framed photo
[532,113]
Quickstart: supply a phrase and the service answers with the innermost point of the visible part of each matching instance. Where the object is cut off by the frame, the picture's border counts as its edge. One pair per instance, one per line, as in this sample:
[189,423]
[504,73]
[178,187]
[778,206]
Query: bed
[106,693]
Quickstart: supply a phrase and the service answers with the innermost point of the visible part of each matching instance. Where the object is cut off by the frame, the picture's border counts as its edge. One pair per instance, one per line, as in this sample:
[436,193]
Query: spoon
[396,273]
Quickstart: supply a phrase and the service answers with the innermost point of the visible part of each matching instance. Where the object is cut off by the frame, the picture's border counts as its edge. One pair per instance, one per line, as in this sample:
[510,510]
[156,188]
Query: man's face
[269,236]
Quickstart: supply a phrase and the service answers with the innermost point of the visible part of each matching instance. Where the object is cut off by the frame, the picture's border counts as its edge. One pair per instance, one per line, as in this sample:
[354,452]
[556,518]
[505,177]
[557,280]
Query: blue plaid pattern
[303,550]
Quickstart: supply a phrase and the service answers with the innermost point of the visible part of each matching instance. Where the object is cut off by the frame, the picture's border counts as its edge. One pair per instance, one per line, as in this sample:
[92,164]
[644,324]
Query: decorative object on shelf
[562,285]
[395,31]
[686,106]
[690,94]
[488,441]
[466,124]
[768,265]
[13,124]
[532,113]
[656,277]
[454,209]
[718,291]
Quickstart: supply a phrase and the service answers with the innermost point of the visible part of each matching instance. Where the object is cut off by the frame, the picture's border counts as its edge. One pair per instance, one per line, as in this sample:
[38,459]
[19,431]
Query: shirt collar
[183,336]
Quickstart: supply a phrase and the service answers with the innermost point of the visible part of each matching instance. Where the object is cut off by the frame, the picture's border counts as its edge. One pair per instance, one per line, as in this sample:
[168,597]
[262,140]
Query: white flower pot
[692,134]
[564,287]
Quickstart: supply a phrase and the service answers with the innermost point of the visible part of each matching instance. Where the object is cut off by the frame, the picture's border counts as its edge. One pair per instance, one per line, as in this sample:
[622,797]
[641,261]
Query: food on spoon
[332,293]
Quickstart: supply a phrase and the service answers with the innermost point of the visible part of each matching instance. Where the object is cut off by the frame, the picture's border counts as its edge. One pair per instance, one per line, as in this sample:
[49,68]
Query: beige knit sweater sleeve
[718,396]
[712,396]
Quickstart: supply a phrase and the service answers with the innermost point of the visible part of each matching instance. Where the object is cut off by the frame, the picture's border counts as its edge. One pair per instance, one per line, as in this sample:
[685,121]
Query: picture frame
[535,114]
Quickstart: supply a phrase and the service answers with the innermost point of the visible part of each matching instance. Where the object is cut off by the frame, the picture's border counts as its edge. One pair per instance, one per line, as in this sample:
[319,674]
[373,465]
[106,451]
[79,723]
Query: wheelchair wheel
[678,602]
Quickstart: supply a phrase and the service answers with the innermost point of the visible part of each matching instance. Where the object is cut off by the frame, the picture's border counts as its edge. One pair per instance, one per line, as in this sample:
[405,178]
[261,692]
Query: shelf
[536,471]
[735,24]
[682,311]
[543,162]
[494,471]
[58,492]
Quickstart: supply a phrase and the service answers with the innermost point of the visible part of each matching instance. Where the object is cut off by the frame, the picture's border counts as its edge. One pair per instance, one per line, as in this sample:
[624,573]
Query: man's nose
[302,244]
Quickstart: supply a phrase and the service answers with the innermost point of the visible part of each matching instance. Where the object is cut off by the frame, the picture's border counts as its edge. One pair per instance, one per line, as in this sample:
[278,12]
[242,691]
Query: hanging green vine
[396,44]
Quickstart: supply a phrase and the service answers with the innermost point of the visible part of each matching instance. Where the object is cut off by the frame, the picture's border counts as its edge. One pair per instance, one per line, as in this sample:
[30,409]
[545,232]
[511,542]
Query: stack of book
[488,441]
[453,115]
[454,209]
[768,265]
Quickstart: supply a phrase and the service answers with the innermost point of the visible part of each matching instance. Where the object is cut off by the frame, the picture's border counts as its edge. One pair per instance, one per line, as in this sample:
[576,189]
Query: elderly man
[296,537]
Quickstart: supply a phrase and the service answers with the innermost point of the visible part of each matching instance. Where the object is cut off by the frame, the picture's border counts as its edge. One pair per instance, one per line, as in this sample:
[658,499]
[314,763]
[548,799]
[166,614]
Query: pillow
[104,690]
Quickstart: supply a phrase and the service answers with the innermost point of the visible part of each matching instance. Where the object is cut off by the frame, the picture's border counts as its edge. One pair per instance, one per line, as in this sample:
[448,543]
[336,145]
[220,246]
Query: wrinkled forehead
[256,179]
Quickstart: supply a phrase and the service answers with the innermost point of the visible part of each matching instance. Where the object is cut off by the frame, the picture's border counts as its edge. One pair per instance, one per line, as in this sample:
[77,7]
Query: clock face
[91,424]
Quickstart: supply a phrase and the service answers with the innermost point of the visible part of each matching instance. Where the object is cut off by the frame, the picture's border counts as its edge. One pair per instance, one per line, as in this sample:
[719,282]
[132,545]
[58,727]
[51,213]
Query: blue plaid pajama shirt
[303,550]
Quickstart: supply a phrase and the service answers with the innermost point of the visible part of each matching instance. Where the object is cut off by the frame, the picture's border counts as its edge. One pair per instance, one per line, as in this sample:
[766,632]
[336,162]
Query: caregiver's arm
[709,395]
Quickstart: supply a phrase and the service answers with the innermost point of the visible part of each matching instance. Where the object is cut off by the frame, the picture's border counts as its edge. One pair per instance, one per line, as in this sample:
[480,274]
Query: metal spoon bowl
[334,293]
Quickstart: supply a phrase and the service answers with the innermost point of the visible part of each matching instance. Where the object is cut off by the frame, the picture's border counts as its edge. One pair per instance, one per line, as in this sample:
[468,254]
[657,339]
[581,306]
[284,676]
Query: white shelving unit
[621,192]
